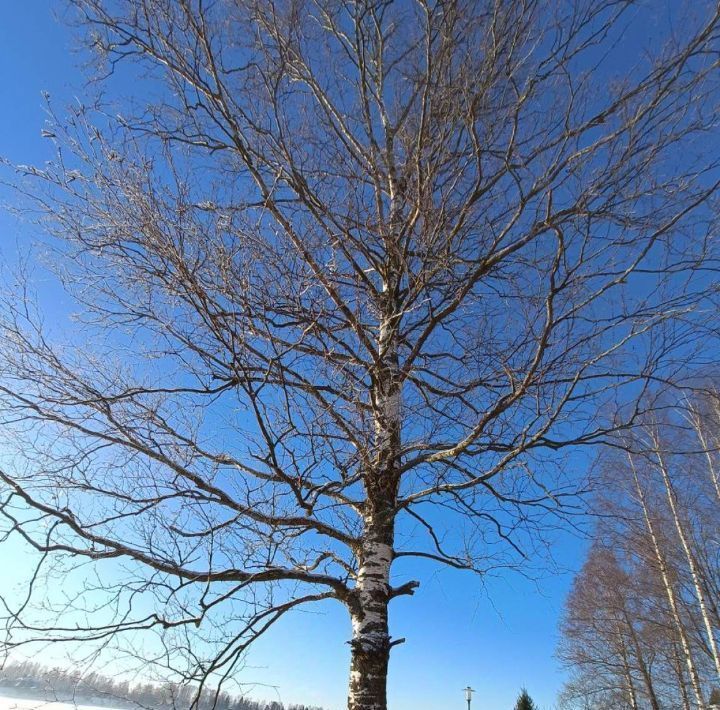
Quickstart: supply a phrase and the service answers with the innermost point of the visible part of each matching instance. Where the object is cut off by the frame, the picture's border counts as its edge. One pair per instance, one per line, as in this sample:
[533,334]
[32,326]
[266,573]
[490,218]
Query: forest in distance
[30,679]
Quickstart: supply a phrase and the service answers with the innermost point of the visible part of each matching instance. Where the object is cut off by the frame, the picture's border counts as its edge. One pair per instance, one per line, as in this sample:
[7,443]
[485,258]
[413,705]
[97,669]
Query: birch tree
[642,609]
[352,278]
[682,529]
[669,588]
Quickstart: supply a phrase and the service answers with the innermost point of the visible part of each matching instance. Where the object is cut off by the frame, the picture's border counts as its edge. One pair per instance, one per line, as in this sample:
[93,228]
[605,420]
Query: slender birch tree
[351,279]
[644,605]
[669,588]
[682,528]
[704,419]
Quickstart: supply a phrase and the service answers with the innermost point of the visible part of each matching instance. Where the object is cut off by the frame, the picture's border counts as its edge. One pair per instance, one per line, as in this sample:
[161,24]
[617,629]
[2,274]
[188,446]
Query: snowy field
[30,704]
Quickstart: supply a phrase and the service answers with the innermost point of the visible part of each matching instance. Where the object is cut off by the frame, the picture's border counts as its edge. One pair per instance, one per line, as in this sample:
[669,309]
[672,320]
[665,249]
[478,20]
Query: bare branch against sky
[642,618]
[354,279]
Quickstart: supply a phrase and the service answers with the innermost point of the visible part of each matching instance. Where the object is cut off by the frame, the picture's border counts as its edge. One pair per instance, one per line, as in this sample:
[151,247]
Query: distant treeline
[34,680]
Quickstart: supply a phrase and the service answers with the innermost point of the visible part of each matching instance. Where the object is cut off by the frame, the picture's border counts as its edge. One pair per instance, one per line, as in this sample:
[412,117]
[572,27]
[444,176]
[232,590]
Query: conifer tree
[525,702]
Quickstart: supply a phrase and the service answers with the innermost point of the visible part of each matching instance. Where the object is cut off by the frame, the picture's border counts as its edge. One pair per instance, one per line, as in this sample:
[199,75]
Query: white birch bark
[690,558]
[677,664]
[669,591]
[371,639]
[697,425]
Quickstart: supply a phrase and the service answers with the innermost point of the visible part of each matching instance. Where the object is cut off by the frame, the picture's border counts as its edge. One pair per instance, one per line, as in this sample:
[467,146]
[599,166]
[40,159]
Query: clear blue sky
[496,637]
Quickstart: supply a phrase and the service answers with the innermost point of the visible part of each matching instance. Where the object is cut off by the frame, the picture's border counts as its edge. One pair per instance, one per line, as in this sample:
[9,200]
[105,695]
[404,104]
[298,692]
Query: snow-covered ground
[30,704]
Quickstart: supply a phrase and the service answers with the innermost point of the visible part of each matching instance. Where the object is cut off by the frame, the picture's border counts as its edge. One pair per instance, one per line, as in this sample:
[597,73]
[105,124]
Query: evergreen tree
[525,702]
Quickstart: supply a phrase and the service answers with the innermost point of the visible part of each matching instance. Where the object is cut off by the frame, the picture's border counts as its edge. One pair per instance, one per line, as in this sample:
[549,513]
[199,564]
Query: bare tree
[351,280]
[644,603]
[669,587]
[683,530]
[595,630]
[623,642]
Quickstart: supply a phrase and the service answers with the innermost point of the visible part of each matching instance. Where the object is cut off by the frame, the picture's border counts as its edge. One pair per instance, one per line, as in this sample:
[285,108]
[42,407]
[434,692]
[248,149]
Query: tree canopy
[351,282]
[524,701]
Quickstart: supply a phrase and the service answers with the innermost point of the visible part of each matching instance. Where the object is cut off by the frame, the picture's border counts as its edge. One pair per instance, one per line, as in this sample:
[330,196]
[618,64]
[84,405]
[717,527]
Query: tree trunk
[690,557]
[682,685]
[629,682]
[371,638]
[640,659]
[707,447]
[670,592]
